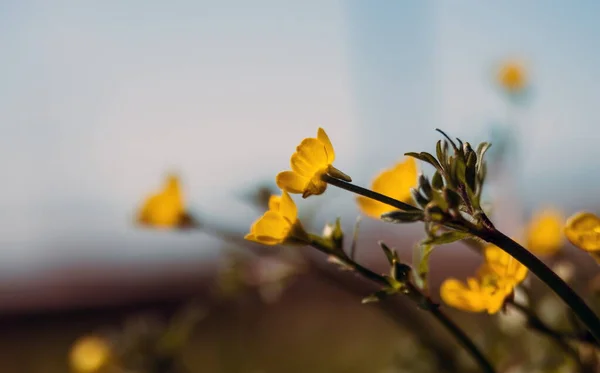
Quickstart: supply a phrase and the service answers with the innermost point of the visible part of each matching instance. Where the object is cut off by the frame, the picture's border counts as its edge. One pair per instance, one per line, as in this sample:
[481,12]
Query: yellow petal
[372,208]
[271,228]
[544,232]
[164,209]
[322,136]
[274,203]
[301,166]
[504,265]
[457,295]
[288,208]
[313,153]
[291,182]
[396,183]
[583,230]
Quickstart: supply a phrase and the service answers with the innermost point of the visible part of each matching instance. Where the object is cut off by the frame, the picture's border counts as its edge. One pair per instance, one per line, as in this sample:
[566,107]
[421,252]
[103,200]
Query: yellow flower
[164,209]
[544,232]
[484,293]
[278,225]
[583,230]
[495,280]
[508,269]
[512,77]
[396,183]
[312,159]
[89,354]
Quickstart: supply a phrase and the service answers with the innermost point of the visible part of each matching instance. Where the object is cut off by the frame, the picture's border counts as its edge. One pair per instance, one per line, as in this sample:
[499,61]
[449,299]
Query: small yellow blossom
[89,354]
[313,158]
[164,209]
[544,232]
[583,230]
[512,77]
[504,265]
[484,293]
[278,225]
[396,183]
[495,280]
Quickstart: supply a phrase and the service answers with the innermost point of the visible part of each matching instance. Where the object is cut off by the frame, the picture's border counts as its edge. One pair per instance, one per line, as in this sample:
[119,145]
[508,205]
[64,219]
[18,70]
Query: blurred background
[99,101]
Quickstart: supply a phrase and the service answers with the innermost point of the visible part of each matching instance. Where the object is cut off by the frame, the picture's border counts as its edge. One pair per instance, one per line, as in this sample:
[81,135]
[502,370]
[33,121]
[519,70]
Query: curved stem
[564,291]
[430,306]
[368,193]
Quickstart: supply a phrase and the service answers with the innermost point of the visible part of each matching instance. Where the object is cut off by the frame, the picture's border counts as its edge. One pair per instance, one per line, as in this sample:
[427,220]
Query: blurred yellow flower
[396,183]
[583,230]
[544,232]
[278,225]
[164,209]
[313,158]
[512,77]
[508,269]
[484,293]
[89,354]
[495,280]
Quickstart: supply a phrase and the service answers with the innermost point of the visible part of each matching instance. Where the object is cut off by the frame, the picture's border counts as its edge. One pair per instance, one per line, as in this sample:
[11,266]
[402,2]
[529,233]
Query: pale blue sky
[98,100]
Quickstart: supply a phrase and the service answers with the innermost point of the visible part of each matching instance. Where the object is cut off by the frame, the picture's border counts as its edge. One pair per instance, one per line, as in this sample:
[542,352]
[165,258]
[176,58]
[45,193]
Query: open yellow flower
[512,77]
[508,269]
[583,230]
[278,225]
[495,280]
[313,158]
[544,232]
[396,183]
[486,292]
[164,209]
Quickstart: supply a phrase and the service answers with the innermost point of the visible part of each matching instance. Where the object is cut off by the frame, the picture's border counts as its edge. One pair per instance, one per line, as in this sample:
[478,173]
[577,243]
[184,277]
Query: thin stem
[430,306]
[368,193]
[564,291]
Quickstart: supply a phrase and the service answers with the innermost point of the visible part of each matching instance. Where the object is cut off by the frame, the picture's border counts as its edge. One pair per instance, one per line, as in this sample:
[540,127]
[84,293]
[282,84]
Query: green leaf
[425,251]
[449,139]
[471,171]
[446,238]
[354,238]
[400,216]
[425,186]
[418,197]
[390,254]
[452,198]
[437,181]
[379,295]
[425,157]
[334,172]
[434,213]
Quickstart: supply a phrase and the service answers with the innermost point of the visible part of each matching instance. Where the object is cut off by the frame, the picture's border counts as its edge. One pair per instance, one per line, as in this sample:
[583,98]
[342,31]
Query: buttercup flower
[396,183]
[495,280]
[313,158]
[164,209]
[583,230]
[278,225]
[544,232]
[512,77]
[484,293]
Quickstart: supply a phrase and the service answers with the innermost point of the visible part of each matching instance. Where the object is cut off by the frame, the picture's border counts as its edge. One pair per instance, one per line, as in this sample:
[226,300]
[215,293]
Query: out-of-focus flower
[313,158]
[89,354]
[495,280]
[476,295]
[508,269]
[544,232]
[583,230]
[278,225]
[512,77]
[164,209]
[396,183]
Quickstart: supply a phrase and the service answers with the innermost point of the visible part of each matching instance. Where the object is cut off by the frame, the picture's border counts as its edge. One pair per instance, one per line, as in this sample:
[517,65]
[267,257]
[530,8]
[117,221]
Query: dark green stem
[430,306]
[368,193]
[564,291]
